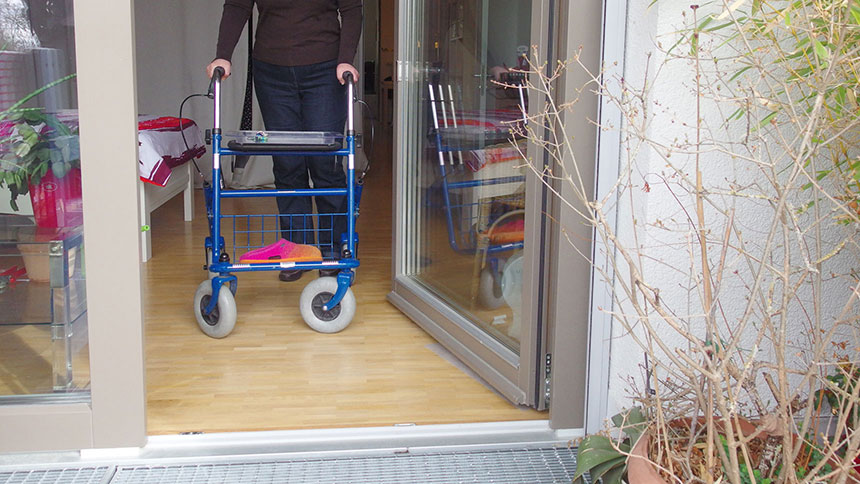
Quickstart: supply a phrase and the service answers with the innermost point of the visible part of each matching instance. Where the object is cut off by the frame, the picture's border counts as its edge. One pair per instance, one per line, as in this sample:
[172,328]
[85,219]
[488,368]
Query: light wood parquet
[275,373]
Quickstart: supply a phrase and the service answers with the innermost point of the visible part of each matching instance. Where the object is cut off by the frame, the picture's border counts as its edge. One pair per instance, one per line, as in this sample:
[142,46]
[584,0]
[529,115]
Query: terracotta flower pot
[640,470]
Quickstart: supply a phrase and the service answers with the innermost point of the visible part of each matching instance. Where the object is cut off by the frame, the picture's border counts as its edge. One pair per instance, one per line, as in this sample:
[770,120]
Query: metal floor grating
[518,466]
[86,475]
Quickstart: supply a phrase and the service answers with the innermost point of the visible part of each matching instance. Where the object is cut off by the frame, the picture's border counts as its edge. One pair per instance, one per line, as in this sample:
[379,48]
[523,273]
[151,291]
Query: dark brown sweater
[294,32]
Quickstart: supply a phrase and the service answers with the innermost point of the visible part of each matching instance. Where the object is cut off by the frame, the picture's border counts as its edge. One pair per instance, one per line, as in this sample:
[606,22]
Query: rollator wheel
[490,290]
[315,295]
[220,322]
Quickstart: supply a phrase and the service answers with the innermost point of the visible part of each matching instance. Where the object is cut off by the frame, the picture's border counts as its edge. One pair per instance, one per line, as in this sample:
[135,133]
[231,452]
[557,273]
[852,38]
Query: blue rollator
[472,223]
[327,304]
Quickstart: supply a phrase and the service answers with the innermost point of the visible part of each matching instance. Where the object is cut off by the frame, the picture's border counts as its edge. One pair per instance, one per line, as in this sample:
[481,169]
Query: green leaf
[60,169]
[704,23]
[855,14]
[21,149]
[820,50]
[593,451]
[33,116]
[615,475]
[588,459]
[43,154]
[600,470]
[25,130]
[767,118]
[738,73]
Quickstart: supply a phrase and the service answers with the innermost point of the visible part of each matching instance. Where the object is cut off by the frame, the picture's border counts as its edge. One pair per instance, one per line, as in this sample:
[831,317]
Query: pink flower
[6,128]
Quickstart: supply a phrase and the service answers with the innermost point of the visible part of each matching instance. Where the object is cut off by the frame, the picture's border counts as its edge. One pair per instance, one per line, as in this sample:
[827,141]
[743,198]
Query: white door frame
[608,153]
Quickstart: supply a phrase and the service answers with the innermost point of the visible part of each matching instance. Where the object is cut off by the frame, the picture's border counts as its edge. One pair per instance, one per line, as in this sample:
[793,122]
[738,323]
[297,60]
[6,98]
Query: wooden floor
[275,373]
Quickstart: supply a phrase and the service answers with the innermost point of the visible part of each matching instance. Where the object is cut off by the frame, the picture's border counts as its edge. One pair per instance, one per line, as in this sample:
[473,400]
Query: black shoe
[329,272]
[290,275]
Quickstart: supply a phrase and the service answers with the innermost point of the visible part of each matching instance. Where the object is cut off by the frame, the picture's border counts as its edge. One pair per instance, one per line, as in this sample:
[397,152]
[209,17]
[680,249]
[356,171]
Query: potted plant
[604,457]
[40,155]
[732,270]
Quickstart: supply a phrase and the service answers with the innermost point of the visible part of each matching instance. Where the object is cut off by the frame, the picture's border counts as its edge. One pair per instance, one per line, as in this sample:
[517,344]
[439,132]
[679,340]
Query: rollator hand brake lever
[218,73]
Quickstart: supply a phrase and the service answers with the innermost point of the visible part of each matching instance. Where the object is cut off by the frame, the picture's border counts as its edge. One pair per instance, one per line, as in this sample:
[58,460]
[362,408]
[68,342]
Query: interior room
[273,372]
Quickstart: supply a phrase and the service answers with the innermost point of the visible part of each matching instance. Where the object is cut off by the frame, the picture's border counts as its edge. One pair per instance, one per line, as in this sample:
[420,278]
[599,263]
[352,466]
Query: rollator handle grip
[218,73]
[347,77]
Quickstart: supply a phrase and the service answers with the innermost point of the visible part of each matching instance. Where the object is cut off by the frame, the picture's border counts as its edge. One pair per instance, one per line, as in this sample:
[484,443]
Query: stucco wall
[644,209]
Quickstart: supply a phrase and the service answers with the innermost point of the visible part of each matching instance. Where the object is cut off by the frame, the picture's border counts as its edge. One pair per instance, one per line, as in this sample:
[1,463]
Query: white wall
[175,42]
[672,99]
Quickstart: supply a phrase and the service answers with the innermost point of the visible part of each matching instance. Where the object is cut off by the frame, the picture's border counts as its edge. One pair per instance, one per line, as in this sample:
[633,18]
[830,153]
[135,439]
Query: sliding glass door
[71,342]
[469,242]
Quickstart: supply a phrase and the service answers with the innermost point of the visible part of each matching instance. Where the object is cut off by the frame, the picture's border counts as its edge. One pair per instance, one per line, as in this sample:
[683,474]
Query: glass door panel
[43,306]
[472,200]
[463,237]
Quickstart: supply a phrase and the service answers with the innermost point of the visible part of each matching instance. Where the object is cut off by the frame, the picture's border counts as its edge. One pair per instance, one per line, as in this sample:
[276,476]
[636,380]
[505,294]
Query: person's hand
[341,68]
[497,71]
[225,64]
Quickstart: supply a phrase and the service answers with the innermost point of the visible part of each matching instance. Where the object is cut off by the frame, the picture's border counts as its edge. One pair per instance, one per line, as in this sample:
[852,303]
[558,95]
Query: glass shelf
[43,320]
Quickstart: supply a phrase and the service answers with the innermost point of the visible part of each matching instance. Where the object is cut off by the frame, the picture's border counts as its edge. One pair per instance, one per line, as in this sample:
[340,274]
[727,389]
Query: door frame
[578,396]
[613,45]
[114,416]
[512,374]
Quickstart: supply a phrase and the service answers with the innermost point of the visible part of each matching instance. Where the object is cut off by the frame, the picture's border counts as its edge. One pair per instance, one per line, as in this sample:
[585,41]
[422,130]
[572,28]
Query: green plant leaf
[60,169]
[593,451]
[33,116]
[768,118]
[738,73]
[601,470]
[615,475]
[821,51]
[21,149]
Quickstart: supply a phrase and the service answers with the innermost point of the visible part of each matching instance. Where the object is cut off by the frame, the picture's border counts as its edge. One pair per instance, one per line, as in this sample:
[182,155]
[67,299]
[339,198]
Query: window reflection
[43,330]
[472,182]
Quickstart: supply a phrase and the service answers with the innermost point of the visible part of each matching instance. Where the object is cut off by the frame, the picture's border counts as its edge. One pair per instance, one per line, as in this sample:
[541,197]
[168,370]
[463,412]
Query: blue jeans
[305,98]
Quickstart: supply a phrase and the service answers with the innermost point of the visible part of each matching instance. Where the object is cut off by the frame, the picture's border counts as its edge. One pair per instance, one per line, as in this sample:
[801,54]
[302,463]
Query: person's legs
[323,103]
[279,96]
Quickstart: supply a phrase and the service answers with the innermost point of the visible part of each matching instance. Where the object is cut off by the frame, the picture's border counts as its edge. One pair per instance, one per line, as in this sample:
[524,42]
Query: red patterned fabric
[162,147]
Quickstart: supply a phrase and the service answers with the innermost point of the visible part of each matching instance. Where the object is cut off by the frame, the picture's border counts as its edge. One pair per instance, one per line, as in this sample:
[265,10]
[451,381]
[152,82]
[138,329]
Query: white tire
[490,290]
[221,321]
[317,293]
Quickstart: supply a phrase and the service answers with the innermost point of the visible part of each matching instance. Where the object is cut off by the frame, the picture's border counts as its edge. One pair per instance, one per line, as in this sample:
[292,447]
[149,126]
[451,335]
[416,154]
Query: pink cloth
[162,147]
